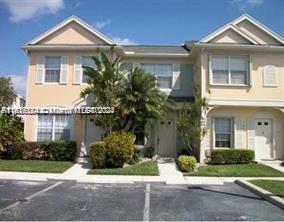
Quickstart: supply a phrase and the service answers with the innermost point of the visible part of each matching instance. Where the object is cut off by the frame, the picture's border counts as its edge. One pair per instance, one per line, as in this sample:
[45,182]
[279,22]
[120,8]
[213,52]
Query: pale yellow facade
[245,104]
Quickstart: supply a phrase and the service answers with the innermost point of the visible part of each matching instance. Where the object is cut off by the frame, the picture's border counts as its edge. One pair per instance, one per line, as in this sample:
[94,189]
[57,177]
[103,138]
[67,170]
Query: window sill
[230,85]
[51,83]
[270,86]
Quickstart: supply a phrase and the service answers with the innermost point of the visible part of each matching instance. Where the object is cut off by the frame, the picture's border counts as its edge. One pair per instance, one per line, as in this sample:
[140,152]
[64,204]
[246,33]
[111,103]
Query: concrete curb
[278,201]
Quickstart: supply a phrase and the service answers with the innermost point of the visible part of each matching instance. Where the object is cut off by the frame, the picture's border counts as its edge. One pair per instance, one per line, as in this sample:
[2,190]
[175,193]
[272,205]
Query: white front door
[263,139]
[166,141]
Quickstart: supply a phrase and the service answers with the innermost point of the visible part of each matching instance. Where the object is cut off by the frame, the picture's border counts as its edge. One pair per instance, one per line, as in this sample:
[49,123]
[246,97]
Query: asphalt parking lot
[26,200]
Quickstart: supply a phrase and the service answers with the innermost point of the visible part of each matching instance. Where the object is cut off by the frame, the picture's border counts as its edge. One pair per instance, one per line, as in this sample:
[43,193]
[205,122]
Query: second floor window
[87,61]
[229,70]
[52,69]
[163,73]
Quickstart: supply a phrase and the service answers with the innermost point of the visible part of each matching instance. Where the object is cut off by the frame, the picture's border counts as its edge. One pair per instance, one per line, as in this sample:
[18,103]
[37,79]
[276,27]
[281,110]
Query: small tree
[103,87]
[190,122]
[11,127]
[7,94]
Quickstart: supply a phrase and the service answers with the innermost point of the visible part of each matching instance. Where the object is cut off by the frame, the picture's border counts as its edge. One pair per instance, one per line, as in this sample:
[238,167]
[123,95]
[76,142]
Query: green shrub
[231,156]
[30,151]
[53,150]
[62,150]
[120,148]
[11,131]
[149,151]
[186,163]
[97,152]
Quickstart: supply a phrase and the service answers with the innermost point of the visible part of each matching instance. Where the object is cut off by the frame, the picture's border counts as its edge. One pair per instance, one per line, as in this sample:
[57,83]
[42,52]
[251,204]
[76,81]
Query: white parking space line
[146,216]
[31,196]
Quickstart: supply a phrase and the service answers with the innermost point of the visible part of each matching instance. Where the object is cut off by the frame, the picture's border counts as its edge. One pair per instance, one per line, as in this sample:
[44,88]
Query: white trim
[70,123]
[240,46]
[259,25]
[232,135]
[225,28]
[67,21]
[230,102]
[233,25]
[229,84]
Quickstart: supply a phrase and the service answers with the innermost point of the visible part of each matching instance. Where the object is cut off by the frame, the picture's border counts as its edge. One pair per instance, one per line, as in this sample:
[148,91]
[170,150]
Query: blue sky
[162,22]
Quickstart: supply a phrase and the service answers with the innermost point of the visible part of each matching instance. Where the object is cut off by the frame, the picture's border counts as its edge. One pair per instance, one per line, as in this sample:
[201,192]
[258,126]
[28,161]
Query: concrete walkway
[169,172]
[276,164]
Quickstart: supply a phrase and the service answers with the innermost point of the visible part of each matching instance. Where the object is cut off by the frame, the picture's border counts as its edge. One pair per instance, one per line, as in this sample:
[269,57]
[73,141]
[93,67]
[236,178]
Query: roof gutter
[27,48]
[237,46]
[167,55]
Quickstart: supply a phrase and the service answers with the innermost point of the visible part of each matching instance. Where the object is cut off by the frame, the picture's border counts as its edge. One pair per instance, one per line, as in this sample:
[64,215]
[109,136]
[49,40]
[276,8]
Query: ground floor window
[223,132]
[53,127]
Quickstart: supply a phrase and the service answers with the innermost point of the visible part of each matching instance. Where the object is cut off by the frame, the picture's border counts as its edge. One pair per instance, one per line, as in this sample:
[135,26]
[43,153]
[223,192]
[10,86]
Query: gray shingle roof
[155,49]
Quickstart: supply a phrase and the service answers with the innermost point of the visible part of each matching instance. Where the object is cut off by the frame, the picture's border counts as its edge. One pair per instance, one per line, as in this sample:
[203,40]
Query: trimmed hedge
[97,152]
[186,163]
[53,150]
[119,148]
[231,156]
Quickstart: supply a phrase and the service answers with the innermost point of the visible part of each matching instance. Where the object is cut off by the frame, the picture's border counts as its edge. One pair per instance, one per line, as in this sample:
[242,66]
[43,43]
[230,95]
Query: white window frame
[53,127]
[232,132]
[82,70]
[45,68]
[155,74]
[229,70]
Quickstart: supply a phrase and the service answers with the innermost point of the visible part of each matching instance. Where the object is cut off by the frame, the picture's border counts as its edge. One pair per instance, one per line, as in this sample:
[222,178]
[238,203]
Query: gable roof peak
[234,25]
[70,19]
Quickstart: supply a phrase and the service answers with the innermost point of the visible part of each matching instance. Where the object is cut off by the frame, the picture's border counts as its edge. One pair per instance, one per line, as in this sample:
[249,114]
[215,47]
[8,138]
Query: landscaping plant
[231,156]
[51,150]
[149,151]
[186,163]
[133,95]
[189,124]
[97,152]
[119,148]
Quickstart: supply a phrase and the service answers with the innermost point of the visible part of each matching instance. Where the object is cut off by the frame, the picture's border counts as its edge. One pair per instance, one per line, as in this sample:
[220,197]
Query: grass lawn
[149,168]
[43,166]
[237,170]
[274,186]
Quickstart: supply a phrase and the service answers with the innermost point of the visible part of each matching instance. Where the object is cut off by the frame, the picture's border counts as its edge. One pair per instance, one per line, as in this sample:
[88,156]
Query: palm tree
[103,86]
[7,94]
[140,100]
[133,94]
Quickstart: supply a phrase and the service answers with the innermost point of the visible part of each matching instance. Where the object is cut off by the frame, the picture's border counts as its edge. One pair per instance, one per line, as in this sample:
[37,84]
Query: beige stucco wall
[54,94]
[72,34]
[254,92]
[244,114]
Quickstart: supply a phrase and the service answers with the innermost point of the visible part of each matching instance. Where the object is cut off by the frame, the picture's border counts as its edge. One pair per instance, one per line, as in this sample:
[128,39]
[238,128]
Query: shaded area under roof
[155,49]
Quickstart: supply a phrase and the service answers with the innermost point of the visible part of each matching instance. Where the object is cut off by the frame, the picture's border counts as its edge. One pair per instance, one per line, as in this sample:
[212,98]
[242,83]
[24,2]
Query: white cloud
[247,4]
[26,9]
[19,83]
[124,41]
[102,24]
